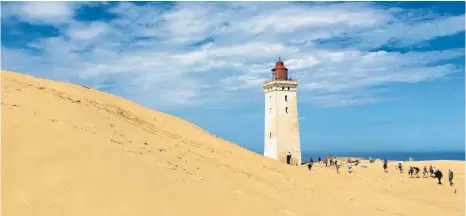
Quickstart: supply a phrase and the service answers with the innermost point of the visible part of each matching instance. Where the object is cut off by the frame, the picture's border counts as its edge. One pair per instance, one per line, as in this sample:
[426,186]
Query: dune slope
[74,151]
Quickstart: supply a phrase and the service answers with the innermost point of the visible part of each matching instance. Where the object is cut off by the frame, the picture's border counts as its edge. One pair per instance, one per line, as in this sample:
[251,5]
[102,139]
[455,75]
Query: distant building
[281,131]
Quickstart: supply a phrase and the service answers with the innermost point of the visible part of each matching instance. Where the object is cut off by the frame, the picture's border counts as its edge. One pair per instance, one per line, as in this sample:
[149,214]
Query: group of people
[436,173]
[414,171]
[329,162]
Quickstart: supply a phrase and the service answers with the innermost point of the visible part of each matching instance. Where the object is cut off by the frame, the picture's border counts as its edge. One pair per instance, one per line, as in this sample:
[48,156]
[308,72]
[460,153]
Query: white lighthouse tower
[281,131]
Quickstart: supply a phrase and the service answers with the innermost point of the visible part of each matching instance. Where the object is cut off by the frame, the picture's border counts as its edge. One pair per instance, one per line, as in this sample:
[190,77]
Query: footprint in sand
[287,212]
[240,192]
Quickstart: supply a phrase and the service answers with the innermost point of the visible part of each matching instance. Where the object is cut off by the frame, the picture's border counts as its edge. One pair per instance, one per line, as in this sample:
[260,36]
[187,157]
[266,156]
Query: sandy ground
[69,150]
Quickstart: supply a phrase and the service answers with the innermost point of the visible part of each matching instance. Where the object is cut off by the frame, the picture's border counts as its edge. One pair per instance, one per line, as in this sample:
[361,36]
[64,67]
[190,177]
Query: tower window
[288,88]
[286,109]
[270,110]
[270,98]
[283,88]
[270,135]
[286,97]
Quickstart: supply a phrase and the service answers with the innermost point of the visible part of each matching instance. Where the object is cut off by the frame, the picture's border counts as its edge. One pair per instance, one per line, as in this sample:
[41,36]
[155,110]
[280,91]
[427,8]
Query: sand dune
[73,151]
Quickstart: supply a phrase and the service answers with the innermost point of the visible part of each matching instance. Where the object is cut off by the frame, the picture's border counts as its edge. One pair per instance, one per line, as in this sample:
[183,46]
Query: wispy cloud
[189,53]
[54,13]
[87,32]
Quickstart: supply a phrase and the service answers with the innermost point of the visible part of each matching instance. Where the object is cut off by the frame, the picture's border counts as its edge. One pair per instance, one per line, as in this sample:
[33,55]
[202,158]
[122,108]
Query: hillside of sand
[74,151]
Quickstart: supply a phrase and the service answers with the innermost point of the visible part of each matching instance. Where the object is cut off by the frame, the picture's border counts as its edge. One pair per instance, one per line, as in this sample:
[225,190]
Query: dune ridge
[71,150]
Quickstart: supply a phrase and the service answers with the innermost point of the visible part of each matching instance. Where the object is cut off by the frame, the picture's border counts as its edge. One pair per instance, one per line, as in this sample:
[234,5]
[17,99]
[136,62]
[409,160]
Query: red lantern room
[280,72]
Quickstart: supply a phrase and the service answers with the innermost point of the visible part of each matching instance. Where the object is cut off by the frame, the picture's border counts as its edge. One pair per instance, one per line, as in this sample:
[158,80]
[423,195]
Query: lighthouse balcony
[280,81]
[280,85]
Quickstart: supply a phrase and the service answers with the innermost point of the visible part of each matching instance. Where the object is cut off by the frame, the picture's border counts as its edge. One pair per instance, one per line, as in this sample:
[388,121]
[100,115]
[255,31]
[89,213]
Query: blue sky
[372,76]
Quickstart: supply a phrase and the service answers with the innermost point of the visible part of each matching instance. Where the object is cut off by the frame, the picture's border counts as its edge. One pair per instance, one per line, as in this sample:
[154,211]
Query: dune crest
[74,151]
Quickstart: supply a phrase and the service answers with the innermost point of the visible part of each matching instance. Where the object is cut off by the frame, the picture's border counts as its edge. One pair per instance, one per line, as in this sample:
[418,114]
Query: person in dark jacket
[450,176]
[400,166]
[416,171]
[288,158]
[411,171]
[439,175]
[319,160]
[385,165]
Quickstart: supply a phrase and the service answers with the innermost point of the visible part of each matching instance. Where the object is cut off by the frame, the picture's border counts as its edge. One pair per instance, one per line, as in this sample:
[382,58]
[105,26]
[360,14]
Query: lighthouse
[281,129]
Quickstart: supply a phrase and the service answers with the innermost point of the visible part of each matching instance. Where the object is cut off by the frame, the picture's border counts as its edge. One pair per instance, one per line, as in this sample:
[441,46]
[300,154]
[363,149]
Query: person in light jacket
[450,176]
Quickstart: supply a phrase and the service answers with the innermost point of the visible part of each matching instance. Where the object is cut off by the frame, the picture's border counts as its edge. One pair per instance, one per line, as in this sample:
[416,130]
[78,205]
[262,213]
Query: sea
[403,156]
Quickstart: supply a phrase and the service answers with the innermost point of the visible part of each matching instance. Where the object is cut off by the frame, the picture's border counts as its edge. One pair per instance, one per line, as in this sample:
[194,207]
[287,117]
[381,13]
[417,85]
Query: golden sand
[73,151]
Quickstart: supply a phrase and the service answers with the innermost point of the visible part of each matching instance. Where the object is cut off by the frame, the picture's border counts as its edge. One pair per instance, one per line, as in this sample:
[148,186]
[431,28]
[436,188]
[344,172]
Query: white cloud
[86,32]
[365,69]
[277,21]
[241,82]
[46,10]
[147,52]
[53,12]
[403,34]
[296,64]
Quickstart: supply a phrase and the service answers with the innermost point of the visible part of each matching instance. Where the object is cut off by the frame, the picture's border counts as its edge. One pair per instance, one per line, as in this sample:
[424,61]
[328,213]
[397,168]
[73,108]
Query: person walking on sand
[439,175]
[385,165]
[400,166]
[416,171]
[450,177]
[411,171]
[319,160]
[424,173]
[434,170]
[309,166]
[337,166]
[311,160]
[350,165]
[431,170]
